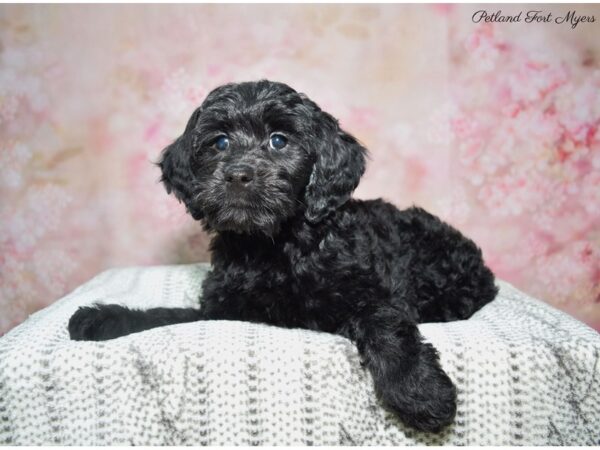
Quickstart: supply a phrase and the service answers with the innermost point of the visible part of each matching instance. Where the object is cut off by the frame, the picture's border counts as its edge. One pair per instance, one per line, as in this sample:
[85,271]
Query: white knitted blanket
[526,374]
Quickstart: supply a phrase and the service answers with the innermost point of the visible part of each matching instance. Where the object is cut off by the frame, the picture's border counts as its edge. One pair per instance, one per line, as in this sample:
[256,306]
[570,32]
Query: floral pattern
[492,126]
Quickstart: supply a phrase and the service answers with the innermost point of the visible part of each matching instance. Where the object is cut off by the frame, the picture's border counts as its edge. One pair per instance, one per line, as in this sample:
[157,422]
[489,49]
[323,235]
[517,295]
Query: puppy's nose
[240,174]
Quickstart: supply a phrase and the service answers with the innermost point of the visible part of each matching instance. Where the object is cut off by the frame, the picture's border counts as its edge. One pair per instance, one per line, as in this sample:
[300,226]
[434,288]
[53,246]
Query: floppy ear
[339,164]
[176,167]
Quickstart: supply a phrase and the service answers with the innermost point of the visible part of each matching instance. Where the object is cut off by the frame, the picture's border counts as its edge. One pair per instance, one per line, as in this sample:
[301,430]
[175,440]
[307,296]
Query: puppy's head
[257,153]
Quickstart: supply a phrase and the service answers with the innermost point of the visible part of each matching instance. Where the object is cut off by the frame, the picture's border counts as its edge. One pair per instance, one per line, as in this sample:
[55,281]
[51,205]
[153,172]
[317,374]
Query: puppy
[270,175]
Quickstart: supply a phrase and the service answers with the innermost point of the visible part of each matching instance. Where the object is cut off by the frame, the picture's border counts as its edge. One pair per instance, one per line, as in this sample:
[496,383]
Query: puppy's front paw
[423,396]
[96,323]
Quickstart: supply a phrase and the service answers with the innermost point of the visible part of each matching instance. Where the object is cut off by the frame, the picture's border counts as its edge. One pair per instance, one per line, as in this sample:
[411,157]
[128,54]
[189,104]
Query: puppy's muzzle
[238,175]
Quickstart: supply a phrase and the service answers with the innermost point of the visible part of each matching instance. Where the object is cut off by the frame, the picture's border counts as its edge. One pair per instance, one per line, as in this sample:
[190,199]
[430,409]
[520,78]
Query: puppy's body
[291,249]
[315,277]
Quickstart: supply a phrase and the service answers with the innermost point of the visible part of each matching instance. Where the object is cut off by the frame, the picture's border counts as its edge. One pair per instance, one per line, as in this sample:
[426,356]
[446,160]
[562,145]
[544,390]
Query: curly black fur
[292,249]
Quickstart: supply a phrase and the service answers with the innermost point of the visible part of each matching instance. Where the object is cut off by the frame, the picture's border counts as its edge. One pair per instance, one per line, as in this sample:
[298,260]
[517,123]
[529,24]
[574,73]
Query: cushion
[526,373]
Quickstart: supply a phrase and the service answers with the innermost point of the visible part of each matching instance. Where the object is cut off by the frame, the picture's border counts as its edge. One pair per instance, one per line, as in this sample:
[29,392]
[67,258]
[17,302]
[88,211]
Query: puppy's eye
[277,141]
[222,143]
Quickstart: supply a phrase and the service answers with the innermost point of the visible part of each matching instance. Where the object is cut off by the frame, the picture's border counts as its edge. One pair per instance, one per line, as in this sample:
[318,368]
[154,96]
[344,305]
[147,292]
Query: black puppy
[270,175]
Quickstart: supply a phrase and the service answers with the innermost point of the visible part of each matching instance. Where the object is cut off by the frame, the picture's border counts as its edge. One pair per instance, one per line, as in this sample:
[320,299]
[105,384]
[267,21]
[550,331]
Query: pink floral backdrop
[494,127]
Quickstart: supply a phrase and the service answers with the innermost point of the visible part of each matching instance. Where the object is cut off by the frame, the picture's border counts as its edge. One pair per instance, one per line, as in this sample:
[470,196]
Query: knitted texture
[525,372]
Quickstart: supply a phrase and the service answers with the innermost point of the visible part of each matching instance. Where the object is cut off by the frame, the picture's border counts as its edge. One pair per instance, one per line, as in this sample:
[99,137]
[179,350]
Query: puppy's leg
[447,268]
[103,322]
[406,371]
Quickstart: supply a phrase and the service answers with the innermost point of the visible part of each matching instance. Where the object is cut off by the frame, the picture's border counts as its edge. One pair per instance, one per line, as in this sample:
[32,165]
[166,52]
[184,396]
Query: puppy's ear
[176,167]
[339,164]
